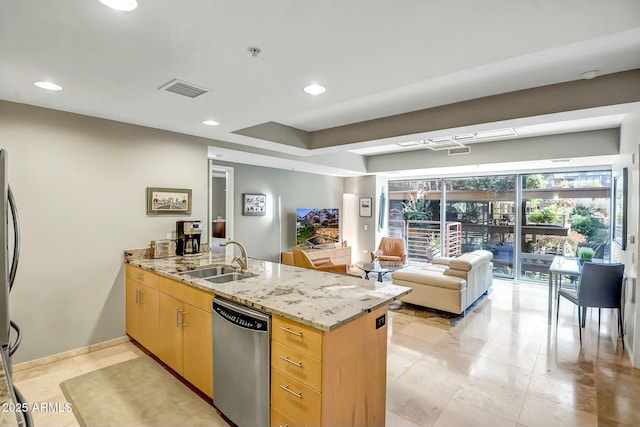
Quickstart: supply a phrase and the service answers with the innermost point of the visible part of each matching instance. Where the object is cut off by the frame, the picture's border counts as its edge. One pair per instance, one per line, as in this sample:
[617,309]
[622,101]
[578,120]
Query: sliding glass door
[524,220]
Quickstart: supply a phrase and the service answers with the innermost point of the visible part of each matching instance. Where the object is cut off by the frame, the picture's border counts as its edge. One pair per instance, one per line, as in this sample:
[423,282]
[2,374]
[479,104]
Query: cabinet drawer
[142,276]
[296,365]
[302,338]
[278,419]
[295,399]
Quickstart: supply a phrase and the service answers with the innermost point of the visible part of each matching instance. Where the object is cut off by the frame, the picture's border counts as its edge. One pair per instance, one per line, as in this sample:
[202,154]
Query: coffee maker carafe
[188,238]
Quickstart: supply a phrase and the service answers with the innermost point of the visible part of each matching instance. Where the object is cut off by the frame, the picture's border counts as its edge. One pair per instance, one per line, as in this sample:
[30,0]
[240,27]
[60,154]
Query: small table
[380,267]
[563,266]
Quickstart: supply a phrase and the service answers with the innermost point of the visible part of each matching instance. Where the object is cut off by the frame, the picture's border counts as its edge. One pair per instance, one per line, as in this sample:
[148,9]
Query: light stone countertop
[321,300]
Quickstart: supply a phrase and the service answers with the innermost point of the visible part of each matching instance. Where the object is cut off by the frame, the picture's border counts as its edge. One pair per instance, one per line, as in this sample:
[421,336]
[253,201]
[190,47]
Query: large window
[561,211]
[525,220]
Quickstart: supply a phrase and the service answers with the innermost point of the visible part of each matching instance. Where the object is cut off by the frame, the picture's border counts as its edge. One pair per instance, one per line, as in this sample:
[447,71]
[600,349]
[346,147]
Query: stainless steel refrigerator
[8,266]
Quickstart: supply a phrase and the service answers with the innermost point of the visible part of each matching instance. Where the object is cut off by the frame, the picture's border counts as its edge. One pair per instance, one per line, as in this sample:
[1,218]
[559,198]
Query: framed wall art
[365,206]
[619,215]
[168,201]
[254,204]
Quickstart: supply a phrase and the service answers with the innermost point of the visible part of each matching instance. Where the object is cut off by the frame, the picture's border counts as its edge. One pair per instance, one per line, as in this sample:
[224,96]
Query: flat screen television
[317,228]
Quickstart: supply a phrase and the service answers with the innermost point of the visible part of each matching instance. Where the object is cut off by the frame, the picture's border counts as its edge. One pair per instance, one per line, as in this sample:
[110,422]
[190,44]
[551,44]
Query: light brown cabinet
[329,378]
[142,313]
[176,326]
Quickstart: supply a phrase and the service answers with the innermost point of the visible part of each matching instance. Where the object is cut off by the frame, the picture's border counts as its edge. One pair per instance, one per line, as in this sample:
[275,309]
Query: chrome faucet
[242,262]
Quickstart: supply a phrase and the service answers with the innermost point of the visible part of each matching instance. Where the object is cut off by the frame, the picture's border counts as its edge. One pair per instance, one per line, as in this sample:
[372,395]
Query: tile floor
[500,366]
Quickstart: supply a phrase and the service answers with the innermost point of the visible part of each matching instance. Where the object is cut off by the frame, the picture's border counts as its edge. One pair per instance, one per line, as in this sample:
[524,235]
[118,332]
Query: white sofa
[449,284]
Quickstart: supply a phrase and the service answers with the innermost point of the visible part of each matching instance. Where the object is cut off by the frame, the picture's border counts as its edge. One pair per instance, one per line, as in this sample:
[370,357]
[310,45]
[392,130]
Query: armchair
[390,249]
[300,259]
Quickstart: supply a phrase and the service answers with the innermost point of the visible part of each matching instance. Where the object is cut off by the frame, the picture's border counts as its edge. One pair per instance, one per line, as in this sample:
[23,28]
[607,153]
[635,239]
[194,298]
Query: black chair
[600,286]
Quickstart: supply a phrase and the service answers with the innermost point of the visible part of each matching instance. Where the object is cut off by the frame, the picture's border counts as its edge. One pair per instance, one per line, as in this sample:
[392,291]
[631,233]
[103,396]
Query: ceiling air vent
[183,88]
[459,151]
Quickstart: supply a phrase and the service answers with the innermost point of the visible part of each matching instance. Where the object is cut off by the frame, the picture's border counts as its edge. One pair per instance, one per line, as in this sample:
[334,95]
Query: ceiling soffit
[612,89]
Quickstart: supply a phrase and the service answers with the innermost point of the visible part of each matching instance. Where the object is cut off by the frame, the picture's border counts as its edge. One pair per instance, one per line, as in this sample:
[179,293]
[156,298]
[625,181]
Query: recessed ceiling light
[211,123]
[315,89]
[122,5]
[48,85]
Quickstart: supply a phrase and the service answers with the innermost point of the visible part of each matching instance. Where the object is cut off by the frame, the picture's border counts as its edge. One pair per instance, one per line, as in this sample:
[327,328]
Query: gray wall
[79,183]
[261,234]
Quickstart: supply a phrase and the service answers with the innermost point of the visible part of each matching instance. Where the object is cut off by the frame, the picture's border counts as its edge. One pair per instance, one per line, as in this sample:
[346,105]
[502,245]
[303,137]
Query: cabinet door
[142,314]
[133,311]
[169,344]
[198,349]
[148,307]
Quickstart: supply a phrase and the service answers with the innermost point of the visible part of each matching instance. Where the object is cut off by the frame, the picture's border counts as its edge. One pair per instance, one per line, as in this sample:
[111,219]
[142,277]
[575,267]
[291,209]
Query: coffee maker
[188,238]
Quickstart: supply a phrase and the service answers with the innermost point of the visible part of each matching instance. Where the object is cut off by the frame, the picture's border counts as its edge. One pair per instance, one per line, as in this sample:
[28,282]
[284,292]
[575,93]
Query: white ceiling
[376,59]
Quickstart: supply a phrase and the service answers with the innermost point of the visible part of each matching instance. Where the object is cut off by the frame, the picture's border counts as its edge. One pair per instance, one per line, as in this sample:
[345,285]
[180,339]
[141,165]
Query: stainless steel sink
[229,277]
[210,272]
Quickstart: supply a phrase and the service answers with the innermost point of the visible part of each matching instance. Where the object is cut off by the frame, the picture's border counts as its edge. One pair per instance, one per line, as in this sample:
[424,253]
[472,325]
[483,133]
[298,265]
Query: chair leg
[621,331]
[599,309]
[580,326]
[584,316]
[557,309]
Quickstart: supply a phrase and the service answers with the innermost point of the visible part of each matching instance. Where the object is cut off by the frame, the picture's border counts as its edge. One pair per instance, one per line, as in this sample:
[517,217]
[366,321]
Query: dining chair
[600,286]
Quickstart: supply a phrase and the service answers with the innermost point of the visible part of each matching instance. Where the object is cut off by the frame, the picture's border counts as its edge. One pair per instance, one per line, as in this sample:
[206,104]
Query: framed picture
[254,204]
[620,209]
[365,206]
[168,201]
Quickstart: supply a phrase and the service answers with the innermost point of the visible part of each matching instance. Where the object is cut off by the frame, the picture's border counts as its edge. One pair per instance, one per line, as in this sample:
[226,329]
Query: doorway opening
[220,205]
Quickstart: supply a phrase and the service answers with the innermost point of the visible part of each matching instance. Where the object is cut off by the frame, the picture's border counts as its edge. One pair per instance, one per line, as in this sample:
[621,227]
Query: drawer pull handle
[139,273]
[286,359]
[286,388]
[299,334]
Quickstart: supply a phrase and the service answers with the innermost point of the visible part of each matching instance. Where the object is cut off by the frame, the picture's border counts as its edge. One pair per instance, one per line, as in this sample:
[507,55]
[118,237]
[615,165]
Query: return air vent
[459,151]
[183,88]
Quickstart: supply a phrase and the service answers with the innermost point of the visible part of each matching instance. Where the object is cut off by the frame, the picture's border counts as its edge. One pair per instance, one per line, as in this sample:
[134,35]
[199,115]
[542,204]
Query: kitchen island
[343,377]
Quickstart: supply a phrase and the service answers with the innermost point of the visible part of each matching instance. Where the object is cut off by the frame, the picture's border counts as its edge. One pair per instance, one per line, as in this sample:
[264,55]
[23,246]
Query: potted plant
[585,253]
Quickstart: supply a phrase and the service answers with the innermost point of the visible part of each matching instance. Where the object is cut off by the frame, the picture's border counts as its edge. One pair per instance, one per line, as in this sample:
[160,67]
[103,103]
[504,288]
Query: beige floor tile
[511,356]
[500,400]
[433,377]
[416,404]
[450,359]
[100,359]
[52,412]
[501,374]
[538,412]
[394,420]
[520,341]
[563,391]
[458,414]
[462,344]
[398,363]
[423,331]
[47,386]
[408,342]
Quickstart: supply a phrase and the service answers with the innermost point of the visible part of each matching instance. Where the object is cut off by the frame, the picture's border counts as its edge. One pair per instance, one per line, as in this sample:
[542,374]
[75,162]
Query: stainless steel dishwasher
[241,363]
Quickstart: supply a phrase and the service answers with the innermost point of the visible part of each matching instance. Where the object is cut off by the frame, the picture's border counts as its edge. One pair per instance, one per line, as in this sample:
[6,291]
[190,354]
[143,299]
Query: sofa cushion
[466,262]
[428,278]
